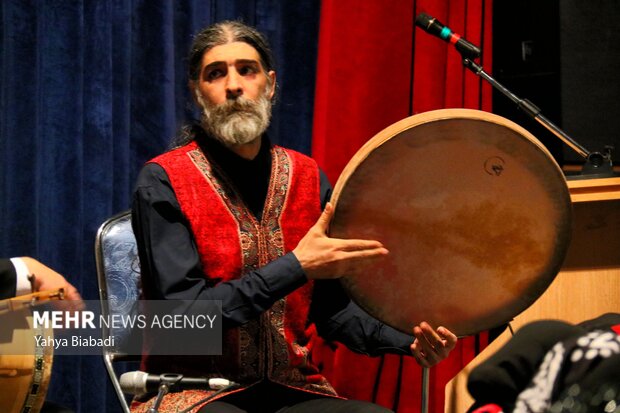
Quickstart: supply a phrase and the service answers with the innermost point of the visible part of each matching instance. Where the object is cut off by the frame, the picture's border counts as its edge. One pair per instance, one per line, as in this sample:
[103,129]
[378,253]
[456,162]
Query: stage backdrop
[91,89]
[374,69]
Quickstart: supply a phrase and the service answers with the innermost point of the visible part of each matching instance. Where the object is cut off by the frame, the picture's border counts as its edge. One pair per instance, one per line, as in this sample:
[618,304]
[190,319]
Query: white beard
[237,121]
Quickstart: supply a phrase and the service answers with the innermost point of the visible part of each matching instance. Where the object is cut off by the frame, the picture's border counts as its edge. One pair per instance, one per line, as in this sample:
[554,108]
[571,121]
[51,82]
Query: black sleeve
[8,279]
[325,187]
[170,263]
[338,318]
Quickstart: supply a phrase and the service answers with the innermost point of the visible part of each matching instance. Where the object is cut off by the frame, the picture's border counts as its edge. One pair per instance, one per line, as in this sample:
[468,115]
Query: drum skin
[475,212]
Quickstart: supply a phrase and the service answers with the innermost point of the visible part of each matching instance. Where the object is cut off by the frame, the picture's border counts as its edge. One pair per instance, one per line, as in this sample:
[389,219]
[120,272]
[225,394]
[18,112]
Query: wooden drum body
[475,212]
[25,364]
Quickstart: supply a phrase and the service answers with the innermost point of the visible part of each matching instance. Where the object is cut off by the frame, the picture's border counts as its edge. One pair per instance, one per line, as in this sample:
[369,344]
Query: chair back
[118,272]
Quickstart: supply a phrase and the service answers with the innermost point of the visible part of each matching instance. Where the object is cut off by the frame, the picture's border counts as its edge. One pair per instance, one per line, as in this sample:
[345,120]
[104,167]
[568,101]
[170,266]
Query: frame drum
[475,212]
[25,364]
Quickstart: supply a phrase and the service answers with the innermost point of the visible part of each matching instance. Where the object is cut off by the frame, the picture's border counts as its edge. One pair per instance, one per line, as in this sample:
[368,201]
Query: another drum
[25,365]
[24,379]
[475,212]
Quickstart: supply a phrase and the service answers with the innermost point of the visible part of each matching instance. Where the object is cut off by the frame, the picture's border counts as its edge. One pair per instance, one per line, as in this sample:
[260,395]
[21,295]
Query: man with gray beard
[237,121]
[225,215]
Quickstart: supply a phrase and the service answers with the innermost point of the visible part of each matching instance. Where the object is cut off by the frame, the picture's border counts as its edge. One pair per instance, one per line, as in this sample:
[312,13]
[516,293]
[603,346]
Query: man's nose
[233,85]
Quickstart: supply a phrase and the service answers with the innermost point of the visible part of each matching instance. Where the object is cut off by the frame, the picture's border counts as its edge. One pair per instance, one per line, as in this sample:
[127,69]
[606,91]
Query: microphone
[139,382]
[431,25]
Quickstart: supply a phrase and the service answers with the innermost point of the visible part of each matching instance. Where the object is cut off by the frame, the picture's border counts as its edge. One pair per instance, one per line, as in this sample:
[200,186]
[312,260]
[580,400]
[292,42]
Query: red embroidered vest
[231,242]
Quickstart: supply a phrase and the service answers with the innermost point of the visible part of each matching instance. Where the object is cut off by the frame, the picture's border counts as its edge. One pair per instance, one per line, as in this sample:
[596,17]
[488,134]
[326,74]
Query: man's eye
[247,70]
[214,74]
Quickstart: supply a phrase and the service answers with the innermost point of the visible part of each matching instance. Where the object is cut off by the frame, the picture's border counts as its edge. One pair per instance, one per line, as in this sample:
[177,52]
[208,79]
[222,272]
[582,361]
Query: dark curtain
[89,91]
[374,70]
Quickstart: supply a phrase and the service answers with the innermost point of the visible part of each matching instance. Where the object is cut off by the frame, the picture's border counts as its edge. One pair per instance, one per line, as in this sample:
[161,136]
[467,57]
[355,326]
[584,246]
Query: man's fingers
[426,347]
[419,355]
[323,257]
[73,300]
[359,259]
[449,337]
[366,253]
[325,218]
[71,293]
[352,245]
[431,346]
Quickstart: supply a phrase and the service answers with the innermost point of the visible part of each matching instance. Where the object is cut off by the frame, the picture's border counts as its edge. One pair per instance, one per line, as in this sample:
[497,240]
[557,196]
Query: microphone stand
[165,387]
[170,382]
[597,165]
[425,389]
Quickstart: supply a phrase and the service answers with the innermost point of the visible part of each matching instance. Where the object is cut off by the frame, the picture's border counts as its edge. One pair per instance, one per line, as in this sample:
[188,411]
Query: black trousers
[267,397]
[51,407]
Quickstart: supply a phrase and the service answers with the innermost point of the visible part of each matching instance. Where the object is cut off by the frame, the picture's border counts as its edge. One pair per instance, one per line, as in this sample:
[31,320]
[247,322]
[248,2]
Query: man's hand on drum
[323,257]
[431,346]
[46,279]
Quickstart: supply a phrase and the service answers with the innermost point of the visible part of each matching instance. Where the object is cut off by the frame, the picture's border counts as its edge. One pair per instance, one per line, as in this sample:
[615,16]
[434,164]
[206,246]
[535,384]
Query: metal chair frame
[118,274]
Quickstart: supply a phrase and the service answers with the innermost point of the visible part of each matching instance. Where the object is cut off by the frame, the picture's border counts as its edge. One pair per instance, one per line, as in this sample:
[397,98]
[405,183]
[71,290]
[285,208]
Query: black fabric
[267,397]
[7,279]
[608,372]
[505,374]
[51,407]
[250,176]
[559,381]
[502,377]
[591,374]
[338,318]
[599,392]
[602,322]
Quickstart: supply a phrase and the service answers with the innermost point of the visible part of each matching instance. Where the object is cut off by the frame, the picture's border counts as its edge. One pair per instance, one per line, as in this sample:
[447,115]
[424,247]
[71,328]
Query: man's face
[235,93]
[232,70]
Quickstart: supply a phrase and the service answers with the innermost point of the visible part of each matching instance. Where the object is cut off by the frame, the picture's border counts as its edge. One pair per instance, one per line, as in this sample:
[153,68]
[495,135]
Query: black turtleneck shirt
[250,177]
[171,268]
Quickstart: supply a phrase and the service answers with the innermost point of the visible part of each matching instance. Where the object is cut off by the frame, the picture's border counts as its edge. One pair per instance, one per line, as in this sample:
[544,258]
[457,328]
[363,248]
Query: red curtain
[373,70]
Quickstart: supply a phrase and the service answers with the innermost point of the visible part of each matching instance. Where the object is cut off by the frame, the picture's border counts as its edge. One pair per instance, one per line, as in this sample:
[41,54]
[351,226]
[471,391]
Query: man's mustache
[238,104]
